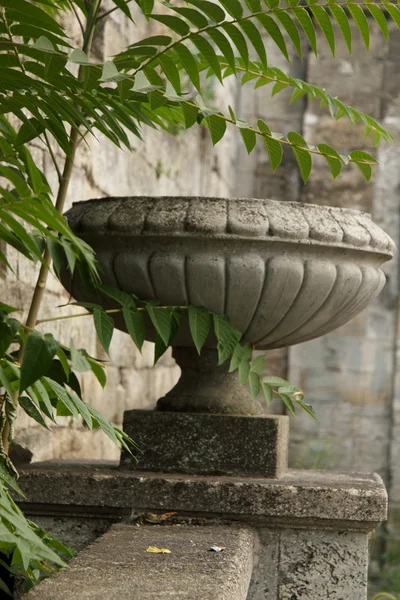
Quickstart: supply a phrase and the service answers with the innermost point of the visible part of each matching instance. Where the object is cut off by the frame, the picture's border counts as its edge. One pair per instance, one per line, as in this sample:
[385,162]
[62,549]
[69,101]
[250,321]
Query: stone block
[120,568]
[311,499]
[207,443]
[312,561]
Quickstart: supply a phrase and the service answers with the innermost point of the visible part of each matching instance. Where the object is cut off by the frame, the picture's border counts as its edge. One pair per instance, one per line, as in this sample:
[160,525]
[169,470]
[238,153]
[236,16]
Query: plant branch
[77,16]
[108,311]
[53,157]
[40,286]
[109,12]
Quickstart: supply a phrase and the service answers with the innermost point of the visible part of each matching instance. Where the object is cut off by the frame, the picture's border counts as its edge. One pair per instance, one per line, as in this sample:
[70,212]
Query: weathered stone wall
[162,165]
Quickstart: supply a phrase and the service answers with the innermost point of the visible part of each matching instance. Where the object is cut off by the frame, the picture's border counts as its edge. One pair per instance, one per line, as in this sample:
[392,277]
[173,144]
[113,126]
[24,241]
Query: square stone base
[207,444]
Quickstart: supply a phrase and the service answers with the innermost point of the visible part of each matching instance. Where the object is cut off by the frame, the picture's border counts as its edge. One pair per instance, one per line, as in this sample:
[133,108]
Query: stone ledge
[313,499]
[116,566]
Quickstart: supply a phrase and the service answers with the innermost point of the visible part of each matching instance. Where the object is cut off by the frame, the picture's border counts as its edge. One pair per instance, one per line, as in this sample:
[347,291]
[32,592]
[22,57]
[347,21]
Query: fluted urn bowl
[283,272]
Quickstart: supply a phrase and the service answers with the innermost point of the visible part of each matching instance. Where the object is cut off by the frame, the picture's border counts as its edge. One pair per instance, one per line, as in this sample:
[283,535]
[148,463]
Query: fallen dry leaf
[158,550]
[158,517]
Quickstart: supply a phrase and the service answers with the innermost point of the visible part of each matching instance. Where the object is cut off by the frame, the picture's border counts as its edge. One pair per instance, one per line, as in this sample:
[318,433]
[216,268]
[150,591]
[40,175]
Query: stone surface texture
[207,444]
[281,271]
[333,500]
[207,387]
[117,566]
[301,537]
[309,565]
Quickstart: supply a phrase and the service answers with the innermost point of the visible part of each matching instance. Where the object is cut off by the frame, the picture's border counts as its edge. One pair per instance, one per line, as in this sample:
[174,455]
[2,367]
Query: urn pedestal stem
[206,387]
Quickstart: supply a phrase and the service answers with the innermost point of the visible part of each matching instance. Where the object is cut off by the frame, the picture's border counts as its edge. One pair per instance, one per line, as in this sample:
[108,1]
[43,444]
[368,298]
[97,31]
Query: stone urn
[283,272]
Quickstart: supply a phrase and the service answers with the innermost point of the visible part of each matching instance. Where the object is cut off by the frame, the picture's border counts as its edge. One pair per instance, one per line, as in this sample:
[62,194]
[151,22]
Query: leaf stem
[106,14]
[53,157]
[70,2]
[108,311]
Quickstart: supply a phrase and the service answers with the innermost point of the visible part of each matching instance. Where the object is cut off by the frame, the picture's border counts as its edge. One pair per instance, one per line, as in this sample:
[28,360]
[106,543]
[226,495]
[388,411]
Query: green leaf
[161,319]
[111,73]
[135,324]
[8,309]
[273,30]
[98,371]
[64,362]
[255,38]
[254,384]
[6,337]
[308,409]
[78,359]
[123,6]
[123,298]
[291,390]
[43,43]
[258,365]
[361,21]
[208,53]
[192,15]
[274,148]
[324,22]
[274,381]
[358,157]
[291,29]
[268,393]
[104,325]
[5,382]
[200,325]
[79,57]
[190,114]
[8,475]
[31,409]
[40,392]
[227,337]
[39,352]
[236,359]
[65,406]
[233,7]
[287,401]
[175,23]
[171,72]
[307,25]
[249,138]
[239,40]
[394,12]
[83,408]
[332,158]
[253,5]
[154,40]
[244,370]
[213,11]
[224,45]
[303,157]
[22,11]
[29,130]
[217,127]
[159,348]
[189,64]
[341,19]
